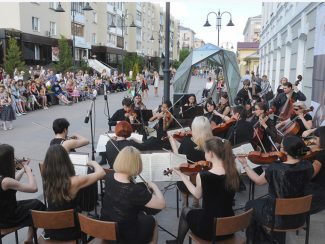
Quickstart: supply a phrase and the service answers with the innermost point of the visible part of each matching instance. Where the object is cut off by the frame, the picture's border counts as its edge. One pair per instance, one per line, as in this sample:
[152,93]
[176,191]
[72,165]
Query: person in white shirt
[208,86]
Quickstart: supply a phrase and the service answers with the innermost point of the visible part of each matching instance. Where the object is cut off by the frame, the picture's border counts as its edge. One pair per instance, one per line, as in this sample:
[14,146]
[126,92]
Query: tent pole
[225,76]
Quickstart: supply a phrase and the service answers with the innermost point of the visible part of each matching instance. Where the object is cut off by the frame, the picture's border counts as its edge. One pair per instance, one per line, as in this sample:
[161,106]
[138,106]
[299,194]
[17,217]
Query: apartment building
[292,44]
[198,43]
[252,29]
[103,32]
[186,38]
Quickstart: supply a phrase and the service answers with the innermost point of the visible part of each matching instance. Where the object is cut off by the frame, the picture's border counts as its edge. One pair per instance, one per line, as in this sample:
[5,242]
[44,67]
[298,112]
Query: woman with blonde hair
[217,189]
[192,147]
[124,199]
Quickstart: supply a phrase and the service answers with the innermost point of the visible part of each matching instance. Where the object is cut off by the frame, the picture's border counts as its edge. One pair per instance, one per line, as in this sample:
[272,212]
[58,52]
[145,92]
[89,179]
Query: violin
[190,169]
[311,154]
[19,162]
[181,134]
[223,127]
[264,158]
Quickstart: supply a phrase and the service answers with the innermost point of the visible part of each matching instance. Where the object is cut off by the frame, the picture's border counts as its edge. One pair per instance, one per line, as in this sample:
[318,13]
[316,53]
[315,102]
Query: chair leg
[16,236]
[307,229]
[177,202]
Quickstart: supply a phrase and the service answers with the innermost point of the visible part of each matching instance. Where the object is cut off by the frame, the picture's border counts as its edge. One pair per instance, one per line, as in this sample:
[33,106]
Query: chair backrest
[292,206]
[99,229]
[230,225]
[53,219]
[41,165]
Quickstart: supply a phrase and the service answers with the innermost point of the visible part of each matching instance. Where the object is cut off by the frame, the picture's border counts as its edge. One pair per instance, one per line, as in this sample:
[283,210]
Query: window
[138,16]
[95,17]
[110,18]
[77,30]
[37,52]
[112,39]
[52,28]
[93,38]
[35,24]
[77,7]
[138,45]
[53,5]
[118,21]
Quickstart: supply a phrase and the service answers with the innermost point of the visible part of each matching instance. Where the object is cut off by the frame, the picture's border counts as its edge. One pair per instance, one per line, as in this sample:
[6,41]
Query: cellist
[304,120]
[264,127]
[283,100]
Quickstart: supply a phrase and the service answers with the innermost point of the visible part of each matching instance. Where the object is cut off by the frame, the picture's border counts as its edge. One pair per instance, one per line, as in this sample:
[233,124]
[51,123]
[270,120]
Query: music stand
[143,116]
[192,112]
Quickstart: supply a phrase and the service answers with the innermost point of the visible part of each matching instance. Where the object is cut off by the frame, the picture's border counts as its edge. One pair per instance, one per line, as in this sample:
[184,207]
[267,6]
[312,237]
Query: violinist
[124,200]
[61,129]
[318,182]
[303,119]
[138,103]
[223,106]
[192,147]
[210,106]
[263,127]
[164,119]
[191,101]
[289,92]
[241,131]
[288,179]
[13,212]
[124,114]
[280,88]
[217,189]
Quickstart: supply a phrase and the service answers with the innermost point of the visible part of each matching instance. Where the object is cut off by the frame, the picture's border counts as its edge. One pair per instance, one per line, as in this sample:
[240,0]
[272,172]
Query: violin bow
[166,150]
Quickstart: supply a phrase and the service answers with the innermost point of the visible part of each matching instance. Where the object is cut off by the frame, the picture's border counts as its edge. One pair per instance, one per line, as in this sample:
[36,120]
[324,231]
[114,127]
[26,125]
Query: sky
[193,14]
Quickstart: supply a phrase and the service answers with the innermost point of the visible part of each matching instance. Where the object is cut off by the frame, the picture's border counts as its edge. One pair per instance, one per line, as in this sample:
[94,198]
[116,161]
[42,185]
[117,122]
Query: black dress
[285,181]
[66,234]
[213,118]
[216,202]
[318,186]
[123,203]
[270,131]
[16,213]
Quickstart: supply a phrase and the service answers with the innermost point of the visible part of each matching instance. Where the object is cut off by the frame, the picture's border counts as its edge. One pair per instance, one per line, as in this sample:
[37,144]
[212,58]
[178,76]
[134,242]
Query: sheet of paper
[146,168]
[176,160]
[136,137]
[101,144]
[159,163]
[244,149]
[79,161]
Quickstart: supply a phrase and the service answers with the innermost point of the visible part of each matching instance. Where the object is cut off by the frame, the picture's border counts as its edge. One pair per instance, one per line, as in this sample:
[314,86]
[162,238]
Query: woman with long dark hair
[15,213]
[216,187]
[287,179]
[61,186]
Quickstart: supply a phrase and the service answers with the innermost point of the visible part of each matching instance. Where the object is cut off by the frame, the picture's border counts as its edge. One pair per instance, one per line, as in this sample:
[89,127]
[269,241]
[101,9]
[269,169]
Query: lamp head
[207,24]
[59,8]
[87,7]
[230,23]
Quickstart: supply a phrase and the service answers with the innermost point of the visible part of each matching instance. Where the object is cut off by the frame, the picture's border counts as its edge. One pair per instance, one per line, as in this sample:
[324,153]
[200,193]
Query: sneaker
[18,114]
[10,128]
[23,113]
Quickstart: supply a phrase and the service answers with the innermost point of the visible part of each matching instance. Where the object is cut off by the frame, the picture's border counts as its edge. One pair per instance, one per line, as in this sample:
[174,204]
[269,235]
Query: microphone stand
[233,133]
[145,135]
[107,107]
[92,131]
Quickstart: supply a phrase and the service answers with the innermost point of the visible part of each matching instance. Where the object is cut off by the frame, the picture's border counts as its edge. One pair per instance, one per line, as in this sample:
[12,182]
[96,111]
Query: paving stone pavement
[32,134]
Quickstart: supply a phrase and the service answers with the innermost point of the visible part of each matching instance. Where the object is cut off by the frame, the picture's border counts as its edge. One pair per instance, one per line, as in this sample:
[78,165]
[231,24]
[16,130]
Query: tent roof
[221,57]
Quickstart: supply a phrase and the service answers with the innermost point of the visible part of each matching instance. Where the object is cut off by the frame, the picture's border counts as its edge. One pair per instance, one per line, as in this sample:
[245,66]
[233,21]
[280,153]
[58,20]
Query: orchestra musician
[289,92]
[124,200]
[124,114]
[61,129]
[318,182]
[216,187]
[246,94]
[191,101]
[210,107]
[61,186]
[138,103]
[303,119]
[280,88]
[241,131]
[287,179]
[223,106]
[164,118]
[192,147]
[263,127]
[15,213]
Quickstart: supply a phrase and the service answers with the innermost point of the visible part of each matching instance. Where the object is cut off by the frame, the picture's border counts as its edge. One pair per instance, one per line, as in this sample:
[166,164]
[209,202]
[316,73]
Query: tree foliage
[14,58]
[130,59]
[65,62]
[182,56]
[135,71]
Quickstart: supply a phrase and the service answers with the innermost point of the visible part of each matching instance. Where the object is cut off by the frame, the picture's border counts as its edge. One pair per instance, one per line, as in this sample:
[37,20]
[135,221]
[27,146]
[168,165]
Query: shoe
[18,114]
[10,128]
[23,113]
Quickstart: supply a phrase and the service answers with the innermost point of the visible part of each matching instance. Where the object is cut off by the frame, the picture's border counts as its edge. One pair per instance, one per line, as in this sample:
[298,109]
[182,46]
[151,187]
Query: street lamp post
[218,20]
[73,10]
[227,45]
[112,25]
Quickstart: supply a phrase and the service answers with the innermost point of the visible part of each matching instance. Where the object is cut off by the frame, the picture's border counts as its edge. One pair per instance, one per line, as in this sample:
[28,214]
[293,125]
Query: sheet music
[103,139]
[136,137]
[154,165]
[244,149]
[79,161]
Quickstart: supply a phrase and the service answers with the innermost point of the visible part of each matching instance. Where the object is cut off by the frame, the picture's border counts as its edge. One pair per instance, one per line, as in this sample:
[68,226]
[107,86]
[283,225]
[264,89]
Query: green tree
[14,58]
[65,62]
[183,55]
[135,71]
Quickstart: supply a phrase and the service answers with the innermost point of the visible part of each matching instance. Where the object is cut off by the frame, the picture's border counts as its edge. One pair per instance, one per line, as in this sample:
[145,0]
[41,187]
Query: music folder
[146,114]
[244,149]
[79,161]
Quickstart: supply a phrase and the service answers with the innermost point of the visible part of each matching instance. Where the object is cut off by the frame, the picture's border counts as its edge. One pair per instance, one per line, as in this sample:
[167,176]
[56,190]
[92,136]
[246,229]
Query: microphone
[88,113]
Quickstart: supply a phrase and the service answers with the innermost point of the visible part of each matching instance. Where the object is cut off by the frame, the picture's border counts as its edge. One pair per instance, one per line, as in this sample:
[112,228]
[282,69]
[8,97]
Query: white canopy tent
[222,58]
